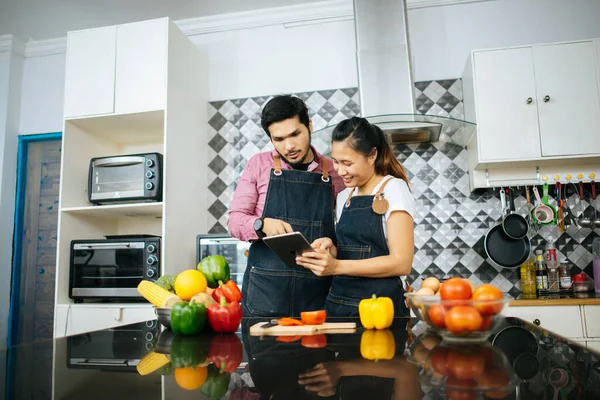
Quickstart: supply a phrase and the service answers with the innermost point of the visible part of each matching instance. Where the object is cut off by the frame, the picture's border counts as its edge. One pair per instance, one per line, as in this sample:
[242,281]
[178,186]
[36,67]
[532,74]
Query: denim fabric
[360,236]
[271,289]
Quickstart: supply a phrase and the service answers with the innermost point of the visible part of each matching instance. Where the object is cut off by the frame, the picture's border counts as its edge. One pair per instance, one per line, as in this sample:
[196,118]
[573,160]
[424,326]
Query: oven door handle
[92,246]
[119,161]
[106,363]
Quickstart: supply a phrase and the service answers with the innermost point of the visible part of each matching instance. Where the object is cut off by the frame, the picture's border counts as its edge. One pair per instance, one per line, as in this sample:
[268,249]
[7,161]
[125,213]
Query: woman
[374,230]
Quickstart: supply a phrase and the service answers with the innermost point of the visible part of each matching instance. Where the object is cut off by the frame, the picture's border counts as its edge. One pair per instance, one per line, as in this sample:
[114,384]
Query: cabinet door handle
[537,322]
[546,99]
[529,100]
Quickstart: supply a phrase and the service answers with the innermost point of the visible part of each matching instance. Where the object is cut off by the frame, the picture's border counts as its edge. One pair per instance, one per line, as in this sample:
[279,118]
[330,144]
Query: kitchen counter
[102,365]
[573,299]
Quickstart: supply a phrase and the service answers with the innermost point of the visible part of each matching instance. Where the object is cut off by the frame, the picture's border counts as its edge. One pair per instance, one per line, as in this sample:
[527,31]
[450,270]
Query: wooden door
[33,372]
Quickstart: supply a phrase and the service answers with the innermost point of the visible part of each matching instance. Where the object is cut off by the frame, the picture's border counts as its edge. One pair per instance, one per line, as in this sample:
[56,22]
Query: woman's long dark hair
[363,138]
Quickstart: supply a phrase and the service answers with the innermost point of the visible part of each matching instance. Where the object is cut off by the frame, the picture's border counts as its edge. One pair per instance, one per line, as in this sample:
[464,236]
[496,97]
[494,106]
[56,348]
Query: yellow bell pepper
[376,312]
[377,345]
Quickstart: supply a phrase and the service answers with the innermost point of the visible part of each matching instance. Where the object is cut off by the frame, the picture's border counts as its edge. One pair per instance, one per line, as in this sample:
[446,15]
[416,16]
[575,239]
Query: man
[291,188]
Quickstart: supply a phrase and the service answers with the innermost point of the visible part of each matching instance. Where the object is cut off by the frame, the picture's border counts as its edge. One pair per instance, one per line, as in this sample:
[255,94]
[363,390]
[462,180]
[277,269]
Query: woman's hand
[320,262]
[325,243]
[322,379]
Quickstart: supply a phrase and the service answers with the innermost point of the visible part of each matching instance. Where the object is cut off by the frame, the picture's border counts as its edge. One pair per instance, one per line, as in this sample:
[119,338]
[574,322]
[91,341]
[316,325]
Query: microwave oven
[125,178]
[112,268]
[233,250]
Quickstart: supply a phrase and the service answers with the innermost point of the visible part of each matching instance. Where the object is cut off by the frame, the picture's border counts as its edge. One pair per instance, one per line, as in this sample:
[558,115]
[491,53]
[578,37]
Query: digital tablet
[288,246]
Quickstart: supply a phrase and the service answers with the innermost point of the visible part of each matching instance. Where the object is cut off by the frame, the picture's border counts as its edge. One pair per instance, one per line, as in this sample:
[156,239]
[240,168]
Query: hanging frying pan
[515,225]
[503,250]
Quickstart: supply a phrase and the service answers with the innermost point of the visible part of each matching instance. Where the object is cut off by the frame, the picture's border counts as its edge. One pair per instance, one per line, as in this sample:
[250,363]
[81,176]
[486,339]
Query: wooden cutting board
[326,327]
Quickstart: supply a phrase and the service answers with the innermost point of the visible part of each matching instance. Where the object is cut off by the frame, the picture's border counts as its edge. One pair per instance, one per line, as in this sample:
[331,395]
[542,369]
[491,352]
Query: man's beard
[299,163]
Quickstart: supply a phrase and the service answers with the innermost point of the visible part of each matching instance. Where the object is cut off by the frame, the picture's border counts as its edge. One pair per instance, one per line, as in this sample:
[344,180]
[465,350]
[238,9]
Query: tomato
[486,322]
[436,315]
[460,389]
[288,339]
[488,292]
[314,341]
[289,322]
[466,363]
[313,317]
[439,360]
[455,289]
[494,378]
[463,319]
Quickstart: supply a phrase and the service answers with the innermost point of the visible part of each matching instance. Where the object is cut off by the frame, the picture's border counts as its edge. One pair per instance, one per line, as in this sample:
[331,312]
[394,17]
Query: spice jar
[563,275]
[581,283]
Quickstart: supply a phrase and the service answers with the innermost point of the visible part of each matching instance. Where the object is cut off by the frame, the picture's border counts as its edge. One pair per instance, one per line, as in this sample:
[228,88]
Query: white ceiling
[45,19]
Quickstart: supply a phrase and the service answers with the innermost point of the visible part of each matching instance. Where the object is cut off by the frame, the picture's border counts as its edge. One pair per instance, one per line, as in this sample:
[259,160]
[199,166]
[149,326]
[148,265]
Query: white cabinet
[90,72]
[153,109]
[568,98]
[507,118]
[141,67]
[533,105]
[562,320]
[117,69]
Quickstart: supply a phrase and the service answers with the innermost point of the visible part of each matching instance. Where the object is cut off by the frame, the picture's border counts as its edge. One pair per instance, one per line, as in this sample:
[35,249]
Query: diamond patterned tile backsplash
[451,222]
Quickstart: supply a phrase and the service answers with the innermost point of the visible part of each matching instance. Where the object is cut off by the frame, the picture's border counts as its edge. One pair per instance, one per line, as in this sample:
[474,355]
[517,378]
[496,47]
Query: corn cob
[151,362]
[156,295]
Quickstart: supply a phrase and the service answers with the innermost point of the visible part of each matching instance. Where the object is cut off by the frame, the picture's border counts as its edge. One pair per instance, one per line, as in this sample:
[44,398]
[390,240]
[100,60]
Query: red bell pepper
[226,352]
[230,290]
[223,317]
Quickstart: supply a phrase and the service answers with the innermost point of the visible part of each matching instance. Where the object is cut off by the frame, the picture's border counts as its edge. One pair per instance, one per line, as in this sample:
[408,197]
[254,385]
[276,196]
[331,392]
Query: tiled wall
[451,222]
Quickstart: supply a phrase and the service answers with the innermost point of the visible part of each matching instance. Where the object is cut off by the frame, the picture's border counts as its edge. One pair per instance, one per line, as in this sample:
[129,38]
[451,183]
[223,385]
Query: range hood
[385,79]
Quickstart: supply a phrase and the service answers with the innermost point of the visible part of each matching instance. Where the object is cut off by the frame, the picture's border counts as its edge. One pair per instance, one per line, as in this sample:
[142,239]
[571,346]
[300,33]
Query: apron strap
[325,175]
[277,164]
[378,195]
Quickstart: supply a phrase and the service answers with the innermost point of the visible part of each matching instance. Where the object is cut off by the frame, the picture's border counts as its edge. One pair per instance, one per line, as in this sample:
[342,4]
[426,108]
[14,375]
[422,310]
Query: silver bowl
[164,316]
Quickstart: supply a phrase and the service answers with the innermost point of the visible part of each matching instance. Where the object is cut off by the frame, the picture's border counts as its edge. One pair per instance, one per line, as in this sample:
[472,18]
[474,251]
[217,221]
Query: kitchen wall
[451,222]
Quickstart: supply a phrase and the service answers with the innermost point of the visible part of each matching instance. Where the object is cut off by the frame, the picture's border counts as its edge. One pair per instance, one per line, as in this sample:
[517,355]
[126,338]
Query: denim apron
[360,235]
[305,201]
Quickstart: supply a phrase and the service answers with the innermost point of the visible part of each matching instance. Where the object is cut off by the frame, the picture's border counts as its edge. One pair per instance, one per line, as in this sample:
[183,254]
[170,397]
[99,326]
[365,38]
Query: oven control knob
[149,174]
[151,324]
[149,336]
[149,185]
[150,273]
[149,163]
[151,248]
[152,260]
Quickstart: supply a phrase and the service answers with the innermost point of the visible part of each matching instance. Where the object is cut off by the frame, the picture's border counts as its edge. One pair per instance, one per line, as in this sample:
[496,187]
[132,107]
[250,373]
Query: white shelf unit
[178,132]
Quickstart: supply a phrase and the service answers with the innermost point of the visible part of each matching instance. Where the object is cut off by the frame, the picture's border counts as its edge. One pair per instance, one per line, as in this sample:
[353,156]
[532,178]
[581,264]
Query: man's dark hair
[283,107]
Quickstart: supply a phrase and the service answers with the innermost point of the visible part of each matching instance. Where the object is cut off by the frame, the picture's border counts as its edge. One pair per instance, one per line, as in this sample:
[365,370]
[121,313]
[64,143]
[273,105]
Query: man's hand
[273,227]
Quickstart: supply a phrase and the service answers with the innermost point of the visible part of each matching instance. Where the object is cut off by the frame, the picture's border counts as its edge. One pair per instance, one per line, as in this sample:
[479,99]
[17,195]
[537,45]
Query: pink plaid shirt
[249,197]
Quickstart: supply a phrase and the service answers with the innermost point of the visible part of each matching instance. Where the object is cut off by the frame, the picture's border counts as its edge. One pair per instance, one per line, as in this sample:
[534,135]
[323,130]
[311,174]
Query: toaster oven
[125,178]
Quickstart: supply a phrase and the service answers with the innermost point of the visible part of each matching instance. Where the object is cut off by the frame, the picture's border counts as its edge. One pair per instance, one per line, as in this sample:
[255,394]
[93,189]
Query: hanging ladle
[583,220]
[596,221]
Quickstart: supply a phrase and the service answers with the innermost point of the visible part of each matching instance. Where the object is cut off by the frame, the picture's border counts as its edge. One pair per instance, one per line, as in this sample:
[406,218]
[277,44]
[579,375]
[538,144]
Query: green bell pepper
[215,268]
[216,384]
[188,318]
[188,351]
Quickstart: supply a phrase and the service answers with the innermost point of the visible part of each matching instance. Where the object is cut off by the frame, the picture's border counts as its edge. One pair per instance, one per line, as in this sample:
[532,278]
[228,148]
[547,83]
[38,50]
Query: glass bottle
[528,278]
[565,280]
[541,274]
[596,253]
[552,266]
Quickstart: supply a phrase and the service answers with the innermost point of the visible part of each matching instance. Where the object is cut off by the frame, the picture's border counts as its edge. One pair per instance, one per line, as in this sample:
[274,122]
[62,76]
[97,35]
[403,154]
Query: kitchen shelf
[105,305]
[134,210]
[131,128]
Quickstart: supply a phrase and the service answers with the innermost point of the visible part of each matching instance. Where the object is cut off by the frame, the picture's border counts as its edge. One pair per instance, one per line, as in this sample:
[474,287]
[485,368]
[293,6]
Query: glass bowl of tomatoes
[463,370]
[459,313]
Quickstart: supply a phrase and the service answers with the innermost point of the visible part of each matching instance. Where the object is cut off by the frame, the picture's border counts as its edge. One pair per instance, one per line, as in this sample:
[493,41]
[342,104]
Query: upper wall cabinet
[117,69]
[533,104]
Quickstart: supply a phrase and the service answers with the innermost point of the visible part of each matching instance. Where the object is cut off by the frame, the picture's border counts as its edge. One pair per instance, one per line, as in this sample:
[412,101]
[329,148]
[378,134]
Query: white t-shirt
[396,192]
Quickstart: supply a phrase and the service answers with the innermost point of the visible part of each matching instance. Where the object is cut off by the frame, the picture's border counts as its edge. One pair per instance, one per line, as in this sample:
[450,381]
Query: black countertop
[412,363]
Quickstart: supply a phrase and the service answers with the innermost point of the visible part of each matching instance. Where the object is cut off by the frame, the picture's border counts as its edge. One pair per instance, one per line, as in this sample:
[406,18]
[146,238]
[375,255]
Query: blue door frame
[13,312]
[15,292]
